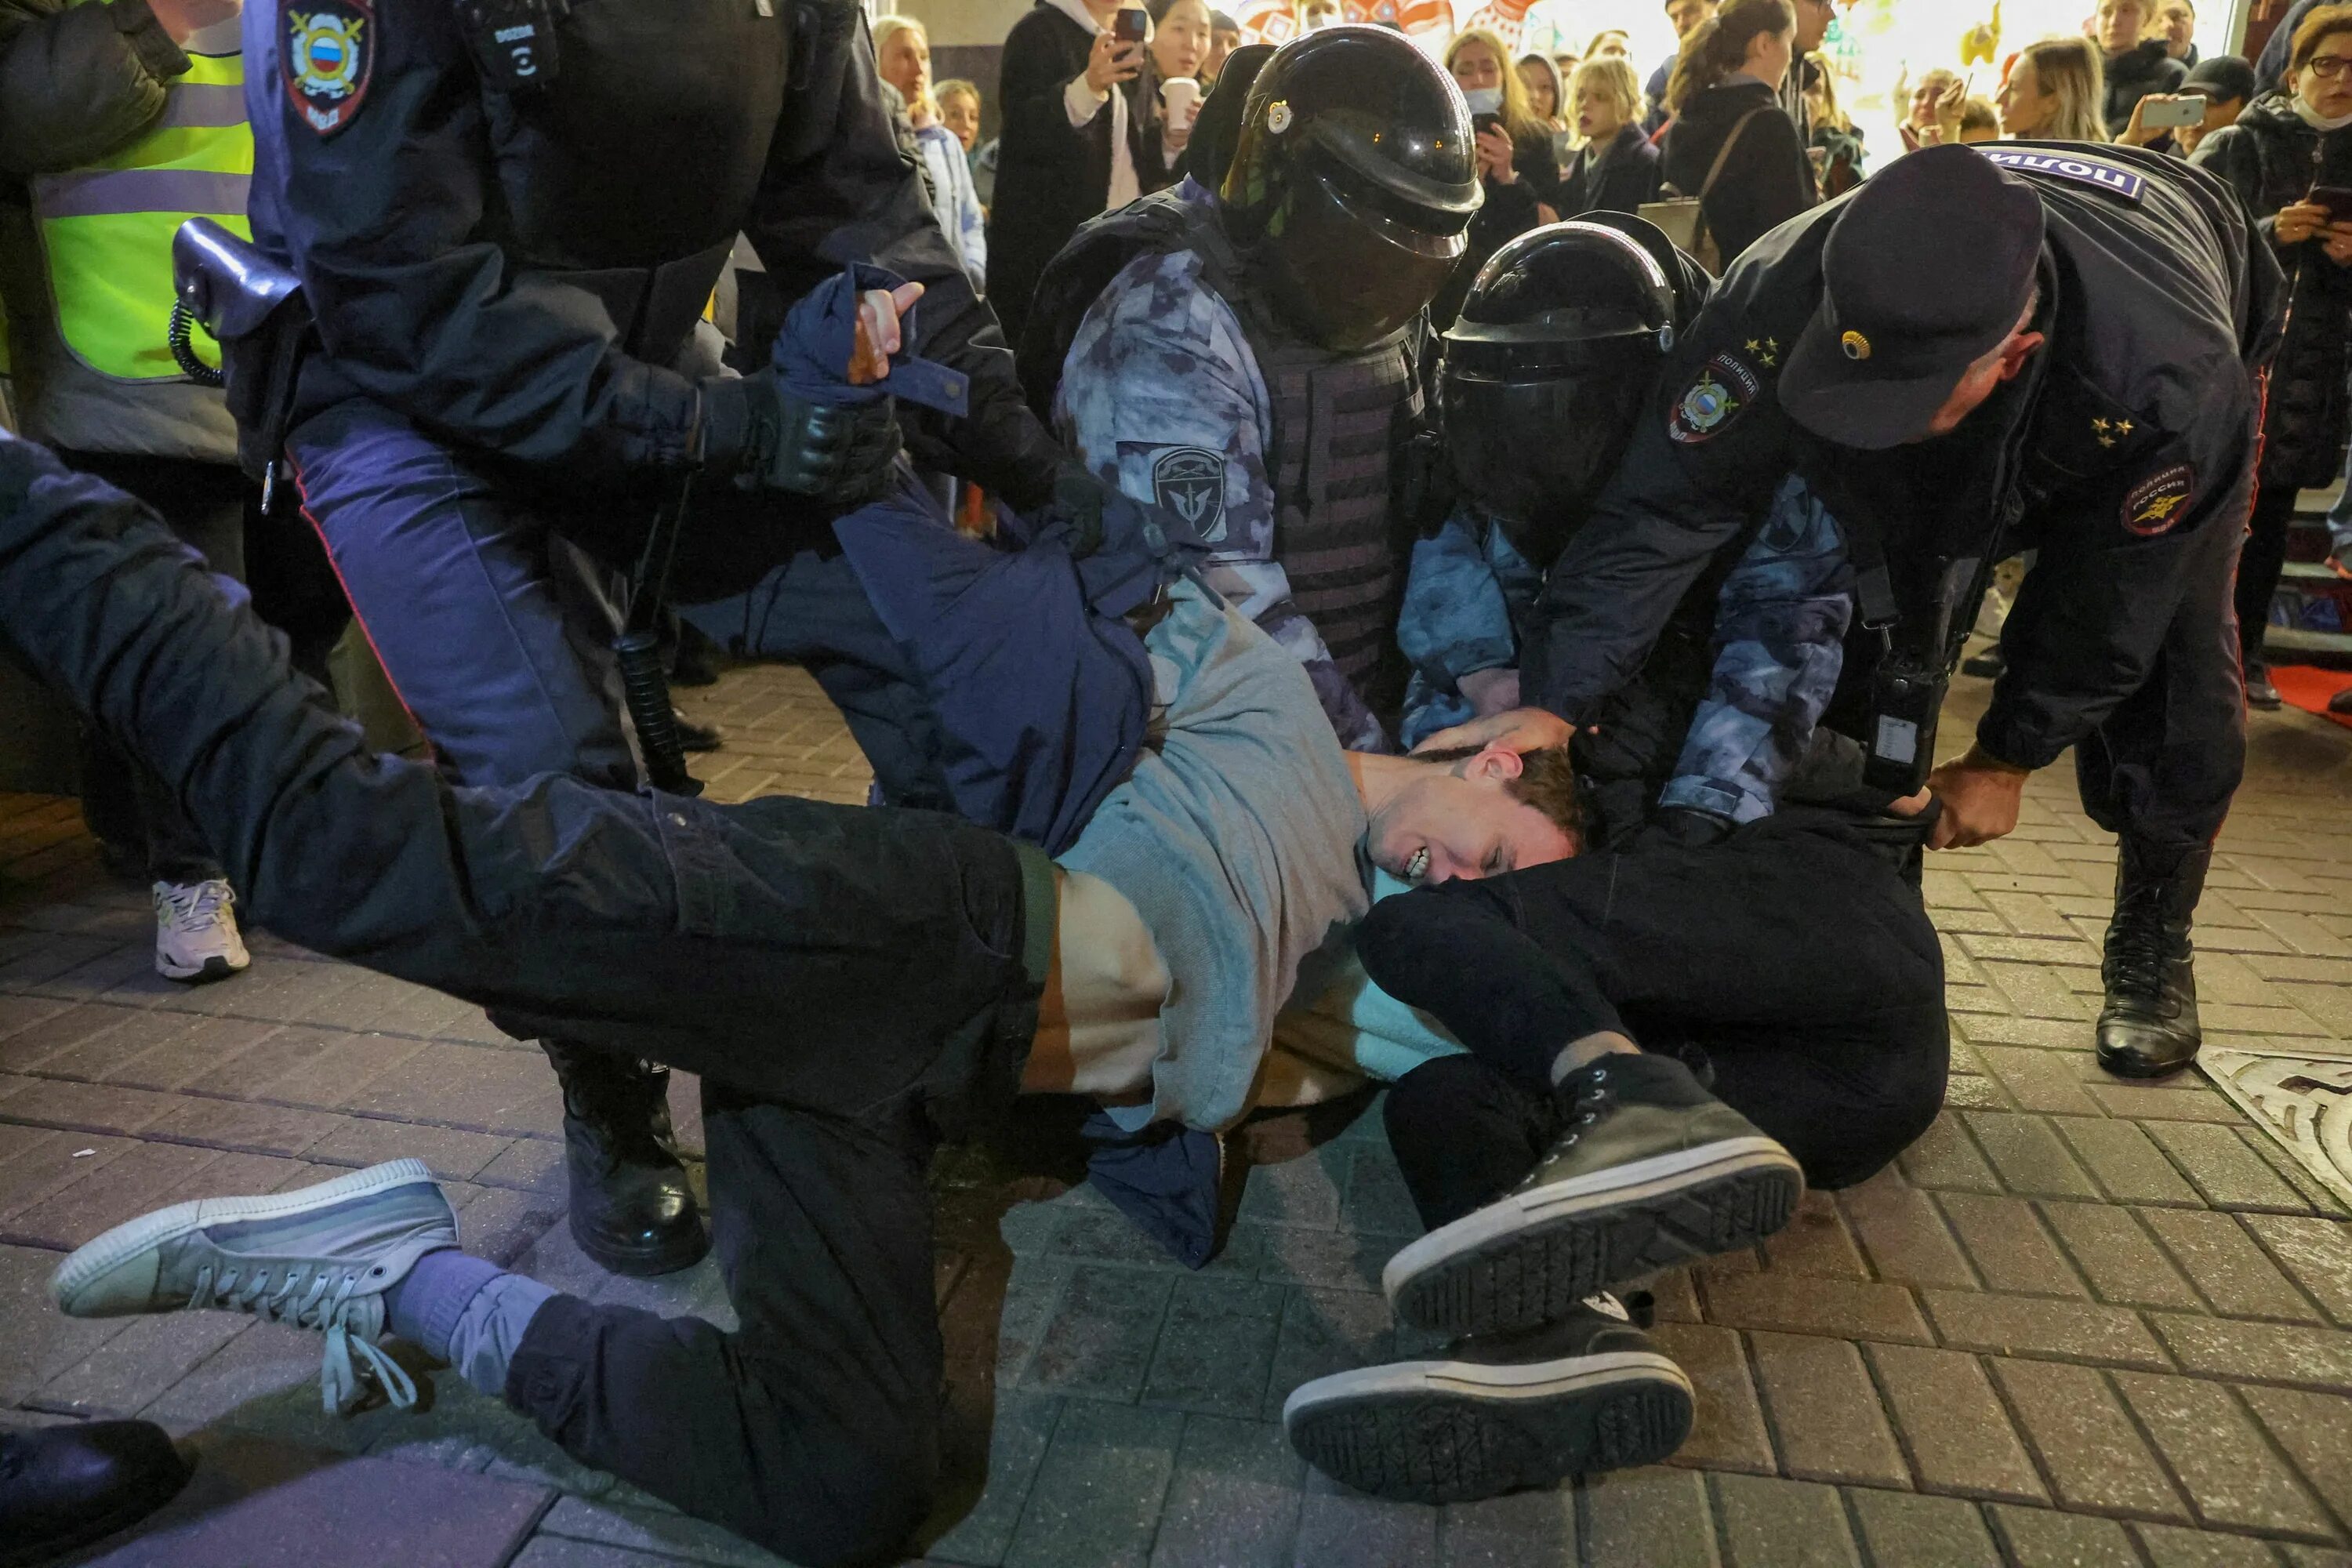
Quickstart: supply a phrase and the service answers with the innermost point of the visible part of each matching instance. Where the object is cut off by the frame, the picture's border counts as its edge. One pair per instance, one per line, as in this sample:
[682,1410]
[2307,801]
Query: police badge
[1191,482]
[1724,390]
[327,57]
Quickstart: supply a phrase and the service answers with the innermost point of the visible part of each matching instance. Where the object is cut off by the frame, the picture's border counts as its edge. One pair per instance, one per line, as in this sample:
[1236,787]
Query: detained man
[768,946]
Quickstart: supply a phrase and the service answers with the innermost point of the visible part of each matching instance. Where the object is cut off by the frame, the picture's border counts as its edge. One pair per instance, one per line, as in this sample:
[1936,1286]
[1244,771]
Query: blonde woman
[902,56]
[1836,150]
[1515,156]
[1618,169]
[2055,93]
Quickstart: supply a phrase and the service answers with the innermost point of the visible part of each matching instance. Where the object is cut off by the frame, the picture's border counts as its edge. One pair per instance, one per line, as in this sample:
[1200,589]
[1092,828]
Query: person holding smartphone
[1077,110]
[2290,158]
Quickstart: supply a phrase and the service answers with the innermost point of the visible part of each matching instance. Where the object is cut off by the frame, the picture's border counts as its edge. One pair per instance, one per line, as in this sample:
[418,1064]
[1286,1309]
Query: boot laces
[332,1303]
[2138,955]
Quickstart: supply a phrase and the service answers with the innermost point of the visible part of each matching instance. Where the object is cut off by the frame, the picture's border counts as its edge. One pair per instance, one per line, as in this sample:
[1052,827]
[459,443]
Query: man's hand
[2298,221]
[1519,729]
[1980,796]
[185,18]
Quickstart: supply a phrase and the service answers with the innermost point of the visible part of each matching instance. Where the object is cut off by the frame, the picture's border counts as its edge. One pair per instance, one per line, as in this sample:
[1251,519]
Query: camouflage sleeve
[1780,647]
[1162,398]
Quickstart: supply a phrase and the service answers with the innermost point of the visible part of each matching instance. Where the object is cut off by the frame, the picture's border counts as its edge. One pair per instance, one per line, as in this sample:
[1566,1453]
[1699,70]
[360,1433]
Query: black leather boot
[2148,1027]
[632,1210]
[64,1487]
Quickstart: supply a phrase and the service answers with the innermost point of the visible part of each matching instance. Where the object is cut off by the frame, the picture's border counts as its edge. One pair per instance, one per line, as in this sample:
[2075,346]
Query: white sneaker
[195,933]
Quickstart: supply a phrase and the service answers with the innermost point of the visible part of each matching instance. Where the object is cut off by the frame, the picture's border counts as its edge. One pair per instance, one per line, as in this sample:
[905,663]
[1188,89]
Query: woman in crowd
[2283,147]
[2053,92]
[1179,47]
[1618,168]
[1077,119]
[1515,157]
[1730,145]
[1837,151]
[1547,92]
[902,54]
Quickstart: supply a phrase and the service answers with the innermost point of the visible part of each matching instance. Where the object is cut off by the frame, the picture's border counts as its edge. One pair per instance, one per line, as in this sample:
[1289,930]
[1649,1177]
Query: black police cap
[1925,271]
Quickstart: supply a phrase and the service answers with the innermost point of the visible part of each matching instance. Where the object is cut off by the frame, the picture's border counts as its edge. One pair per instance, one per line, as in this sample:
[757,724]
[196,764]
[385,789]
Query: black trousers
[214,511]
[2260,565]
[1792,955]
[851,982]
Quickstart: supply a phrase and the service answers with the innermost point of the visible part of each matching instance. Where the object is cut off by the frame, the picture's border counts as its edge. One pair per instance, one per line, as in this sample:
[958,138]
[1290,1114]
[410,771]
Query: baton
[644,683]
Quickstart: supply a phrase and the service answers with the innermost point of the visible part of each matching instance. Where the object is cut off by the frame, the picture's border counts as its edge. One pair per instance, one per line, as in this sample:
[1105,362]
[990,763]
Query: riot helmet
[1210,152]
[1353,184]
[1556,354]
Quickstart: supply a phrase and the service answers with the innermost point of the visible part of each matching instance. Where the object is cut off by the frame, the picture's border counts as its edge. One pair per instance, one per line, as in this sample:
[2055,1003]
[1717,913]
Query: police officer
[1253,360]
[507,218]
[2034,347]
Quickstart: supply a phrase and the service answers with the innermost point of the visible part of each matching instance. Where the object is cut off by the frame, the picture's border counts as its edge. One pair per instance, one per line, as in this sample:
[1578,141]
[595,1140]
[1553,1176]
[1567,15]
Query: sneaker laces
[331,1304]
[198,903]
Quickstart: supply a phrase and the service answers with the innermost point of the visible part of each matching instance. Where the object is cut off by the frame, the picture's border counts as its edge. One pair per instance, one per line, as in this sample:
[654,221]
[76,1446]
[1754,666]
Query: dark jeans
[851,982]
[1797,959]
[214,511]
[2260,565]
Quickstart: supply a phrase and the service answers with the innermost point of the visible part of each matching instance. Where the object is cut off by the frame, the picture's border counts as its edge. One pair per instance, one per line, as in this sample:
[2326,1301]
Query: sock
[424,1308]
[468,1312]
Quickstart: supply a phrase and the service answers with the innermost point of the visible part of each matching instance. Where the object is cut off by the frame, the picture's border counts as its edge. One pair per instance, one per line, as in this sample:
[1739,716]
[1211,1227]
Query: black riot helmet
[1556,352]
[1210,152]
[1353,184]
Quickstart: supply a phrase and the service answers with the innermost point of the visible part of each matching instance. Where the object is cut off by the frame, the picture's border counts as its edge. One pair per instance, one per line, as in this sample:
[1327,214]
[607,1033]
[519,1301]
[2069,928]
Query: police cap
[1925,271]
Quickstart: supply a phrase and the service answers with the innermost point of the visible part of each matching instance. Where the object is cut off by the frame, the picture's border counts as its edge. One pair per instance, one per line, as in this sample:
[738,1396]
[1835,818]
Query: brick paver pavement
[2081,1322]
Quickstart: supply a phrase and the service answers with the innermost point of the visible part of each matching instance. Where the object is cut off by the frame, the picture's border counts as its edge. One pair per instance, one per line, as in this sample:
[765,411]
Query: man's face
[1223,41]
[2176,21]
[2121,23]
[1458,819]
[1813,19]
[1687,15]
[1978,382]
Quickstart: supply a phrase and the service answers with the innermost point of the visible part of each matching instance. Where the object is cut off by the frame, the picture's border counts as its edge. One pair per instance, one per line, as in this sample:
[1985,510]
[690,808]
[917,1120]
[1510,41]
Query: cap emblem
[1278,116]
[1856,346]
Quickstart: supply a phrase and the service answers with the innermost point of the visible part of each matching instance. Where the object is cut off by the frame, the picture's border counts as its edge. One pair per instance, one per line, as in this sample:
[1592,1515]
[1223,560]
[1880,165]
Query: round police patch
[1191,482]
[2158,502]
[1725,389]
[327,54]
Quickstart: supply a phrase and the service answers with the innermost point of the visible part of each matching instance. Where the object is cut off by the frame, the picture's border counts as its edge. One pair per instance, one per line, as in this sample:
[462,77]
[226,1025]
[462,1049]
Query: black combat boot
[632,1210]
[64,1487]
[2148,1027]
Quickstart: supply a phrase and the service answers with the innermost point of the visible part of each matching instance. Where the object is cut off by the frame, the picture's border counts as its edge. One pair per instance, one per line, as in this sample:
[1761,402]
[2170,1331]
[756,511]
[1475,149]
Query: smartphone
[2337,199]
[1130,26]
[2189,111]
[1482,123]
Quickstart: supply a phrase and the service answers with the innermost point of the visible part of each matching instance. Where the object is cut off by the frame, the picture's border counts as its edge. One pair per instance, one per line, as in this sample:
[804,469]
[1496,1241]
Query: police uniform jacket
[2128,442]
[518,272]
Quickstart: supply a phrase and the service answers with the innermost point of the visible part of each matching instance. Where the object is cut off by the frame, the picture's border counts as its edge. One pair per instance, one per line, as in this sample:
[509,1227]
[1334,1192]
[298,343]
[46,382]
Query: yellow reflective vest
[105,229]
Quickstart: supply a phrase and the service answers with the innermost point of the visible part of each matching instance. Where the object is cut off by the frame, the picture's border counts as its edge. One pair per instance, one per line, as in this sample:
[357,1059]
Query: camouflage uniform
[1160,397]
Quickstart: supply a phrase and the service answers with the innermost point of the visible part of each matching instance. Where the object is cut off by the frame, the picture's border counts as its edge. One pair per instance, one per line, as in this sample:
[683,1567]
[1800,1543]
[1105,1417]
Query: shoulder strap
[1730,141]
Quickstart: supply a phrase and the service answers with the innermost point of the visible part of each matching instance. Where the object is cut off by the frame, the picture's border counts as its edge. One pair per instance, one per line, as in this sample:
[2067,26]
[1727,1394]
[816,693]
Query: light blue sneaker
[318,1257]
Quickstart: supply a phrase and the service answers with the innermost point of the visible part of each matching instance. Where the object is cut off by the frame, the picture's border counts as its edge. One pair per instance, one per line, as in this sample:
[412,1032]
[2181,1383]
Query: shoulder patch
[1191,482]
[326,57]
[2091,172]
[1724,389]
[2157,503]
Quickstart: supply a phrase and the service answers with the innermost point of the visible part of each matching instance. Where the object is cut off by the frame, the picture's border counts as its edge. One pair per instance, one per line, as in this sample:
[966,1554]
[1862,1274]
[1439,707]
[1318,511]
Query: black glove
[763,437]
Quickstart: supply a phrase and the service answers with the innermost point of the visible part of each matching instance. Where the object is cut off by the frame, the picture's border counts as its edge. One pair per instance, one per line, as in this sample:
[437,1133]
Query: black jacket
[2272,156]
[2128,446]
[1768,181]
[519,274]
[2135,73]
[1051,176]
[1616,178]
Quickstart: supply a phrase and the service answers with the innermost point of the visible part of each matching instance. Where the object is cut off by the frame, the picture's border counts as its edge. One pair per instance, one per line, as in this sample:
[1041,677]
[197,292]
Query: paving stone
[2039,1080]
[2022,1325]
[2006,1242]
[1299,1192]
[2226,1265]
[2046,1034]
[1794,1303]
[1946,1158]
[2231,1477]
[2259,1353]
[482,1090]
[2124,1161]
[1897,1528]
[83,1107]
[1338,1526]
[534,1165]
[2040,1539]
[1824,1411]
[1904,1232]
[1216,1345]
[1325,1259]
[317,1068]
[1816,1242]
[2036,992]
[1953,1426]
[980,1533]
[2316,1431]
[1100,1340]
[1771,1523]
[2169,1546]
[249,1128]
[1966,1092]
[126,1373]
[2179,1101]
[1233,1497]
[2028,1156]
[145,1177]
[1377,1202]
[449,1154]
[665,1535]
[36,1161]
[2122,1261]
[40,1342]
[1520,1530]
[1324,1331]
[1727,1426]
[2230,1174]
[2316,1252]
